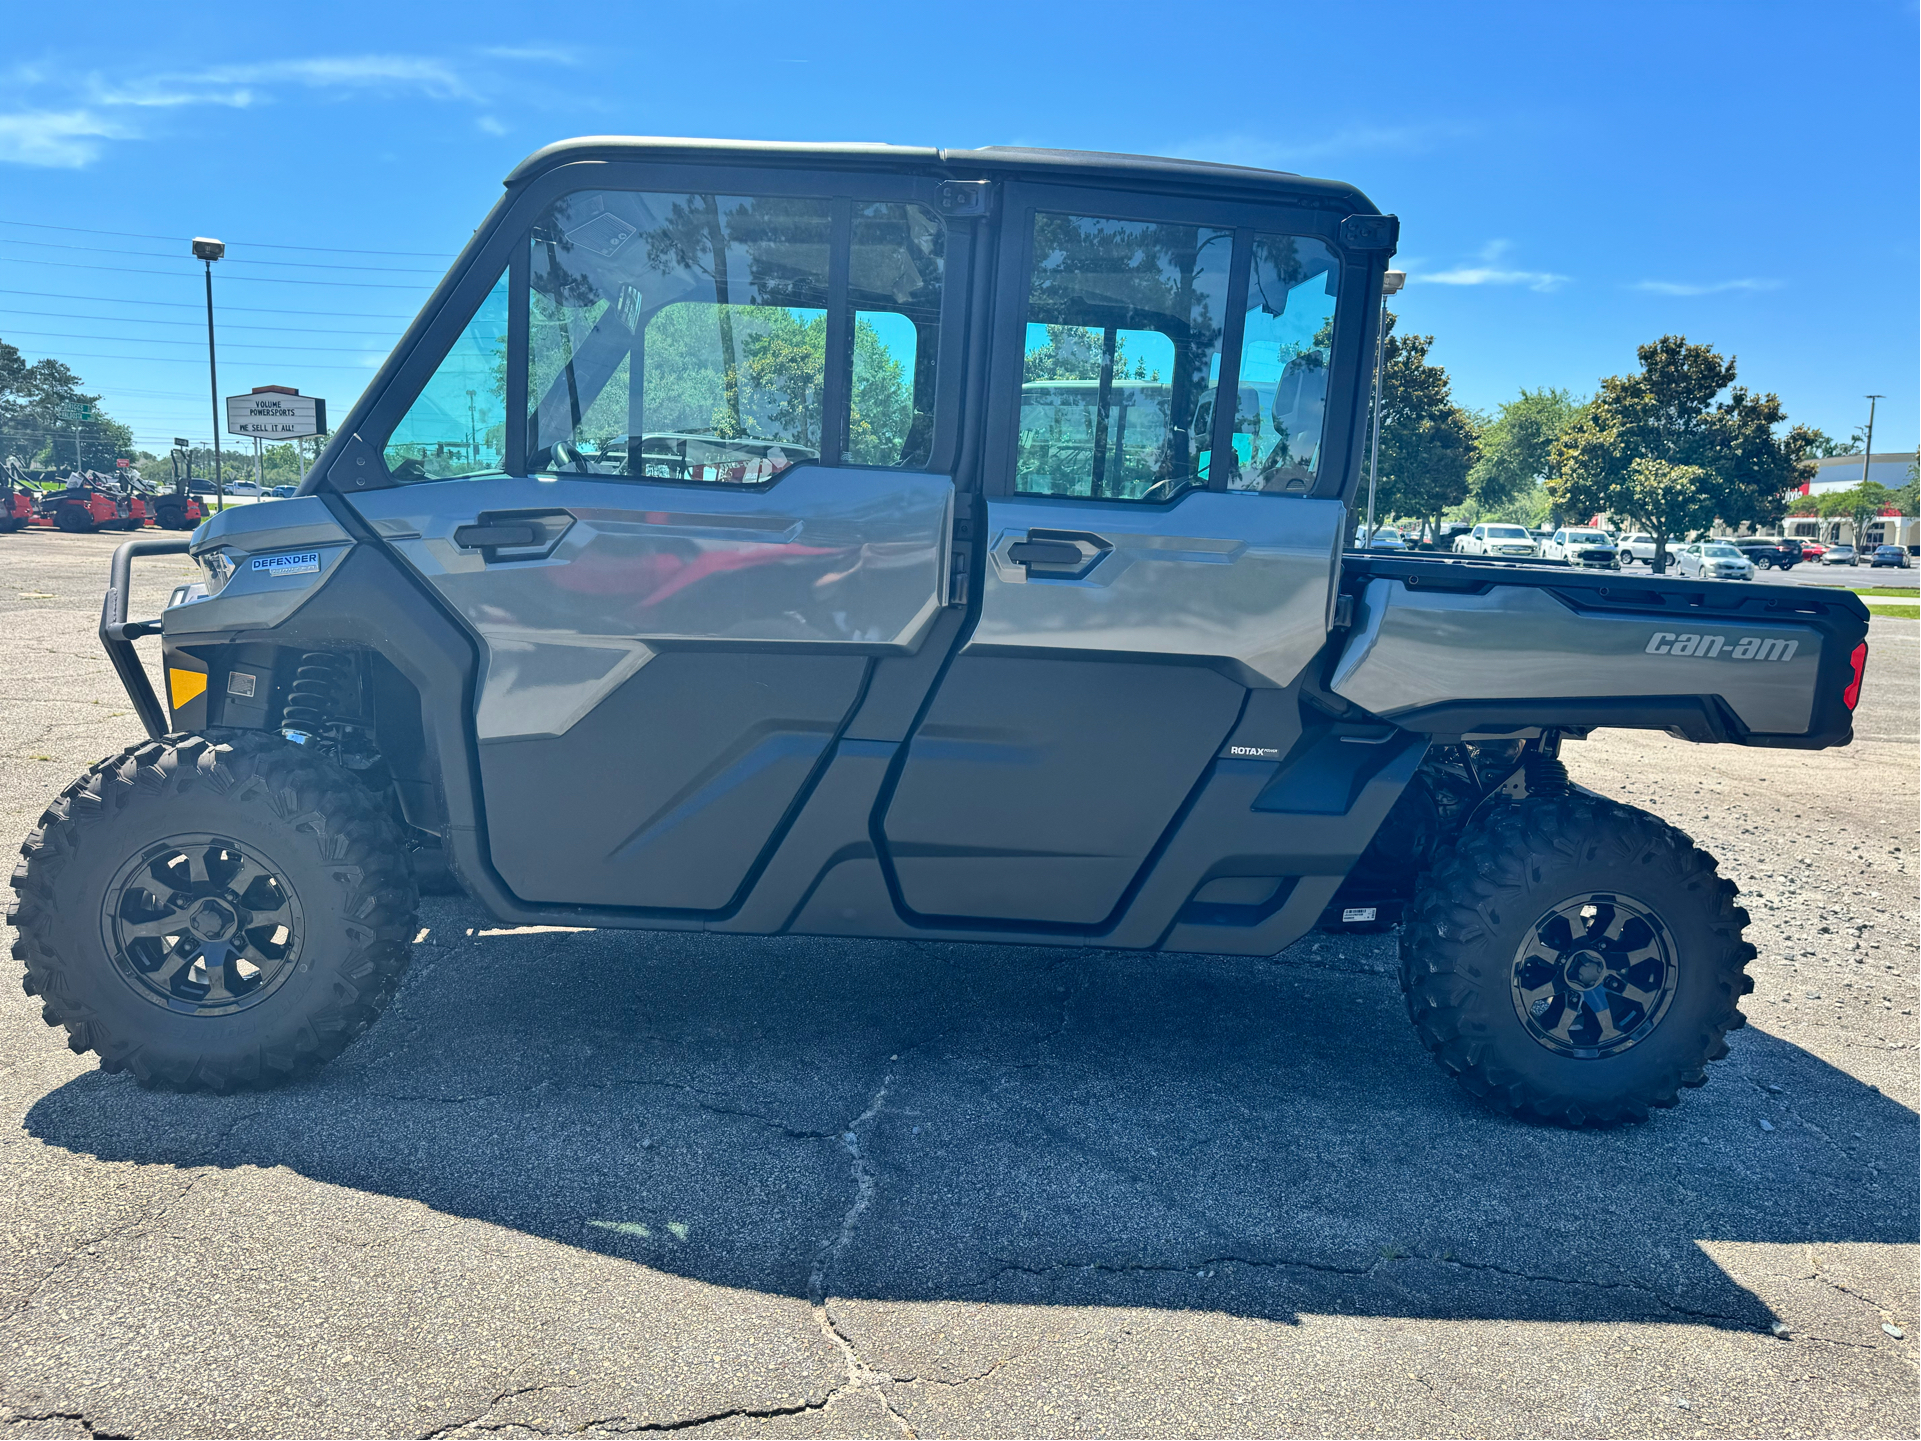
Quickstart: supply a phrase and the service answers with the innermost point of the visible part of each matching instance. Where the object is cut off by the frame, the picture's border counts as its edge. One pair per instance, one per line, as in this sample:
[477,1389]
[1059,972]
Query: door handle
[487,537]
[1057,554]
[1045,552]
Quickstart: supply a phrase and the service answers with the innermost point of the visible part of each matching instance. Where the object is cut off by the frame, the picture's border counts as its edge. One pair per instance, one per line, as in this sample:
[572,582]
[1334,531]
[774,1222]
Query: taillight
[1859,660]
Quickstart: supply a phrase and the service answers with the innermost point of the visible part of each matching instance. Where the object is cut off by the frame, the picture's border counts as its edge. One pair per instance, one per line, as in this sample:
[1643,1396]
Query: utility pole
[1867,450]
[210,251]
[1391,283]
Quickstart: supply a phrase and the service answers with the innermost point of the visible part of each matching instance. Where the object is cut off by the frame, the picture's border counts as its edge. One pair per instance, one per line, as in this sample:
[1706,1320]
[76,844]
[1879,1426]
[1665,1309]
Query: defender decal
[298,562]
[1753,647]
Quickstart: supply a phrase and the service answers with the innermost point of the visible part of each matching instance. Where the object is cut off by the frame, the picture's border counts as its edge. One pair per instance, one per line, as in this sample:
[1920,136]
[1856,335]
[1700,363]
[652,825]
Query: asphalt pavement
[581,1182]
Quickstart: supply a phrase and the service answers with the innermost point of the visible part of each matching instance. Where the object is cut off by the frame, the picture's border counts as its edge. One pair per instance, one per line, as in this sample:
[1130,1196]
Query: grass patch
[1897,612]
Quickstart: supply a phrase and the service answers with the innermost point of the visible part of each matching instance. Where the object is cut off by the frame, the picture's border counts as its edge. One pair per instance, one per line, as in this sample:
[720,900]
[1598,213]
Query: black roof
[1098,167]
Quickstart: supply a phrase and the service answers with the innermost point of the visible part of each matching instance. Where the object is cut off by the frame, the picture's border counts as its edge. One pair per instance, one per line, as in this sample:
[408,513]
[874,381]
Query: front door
[684,477]
[1152,552]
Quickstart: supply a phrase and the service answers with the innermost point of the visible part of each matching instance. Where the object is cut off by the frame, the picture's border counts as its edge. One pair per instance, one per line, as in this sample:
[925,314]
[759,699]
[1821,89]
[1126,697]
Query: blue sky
[1572,179]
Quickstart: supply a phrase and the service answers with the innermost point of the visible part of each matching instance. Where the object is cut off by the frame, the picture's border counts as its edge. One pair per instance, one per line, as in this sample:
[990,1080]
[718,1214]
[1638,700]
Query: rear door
[1152,552]
[685,475]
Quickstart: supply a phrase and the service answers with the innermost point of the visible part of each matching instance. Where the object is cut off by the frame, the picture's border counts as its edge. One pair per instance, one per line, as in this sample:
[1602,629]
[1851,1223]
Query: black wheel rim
[1594,976]
[202,925]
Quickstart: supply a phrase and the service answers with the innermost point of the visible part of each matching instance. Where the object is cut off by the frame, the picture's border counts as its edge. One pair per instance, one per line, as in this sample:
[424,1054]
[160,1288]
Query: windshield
[1506,532]
[1721,552]
[1586,537]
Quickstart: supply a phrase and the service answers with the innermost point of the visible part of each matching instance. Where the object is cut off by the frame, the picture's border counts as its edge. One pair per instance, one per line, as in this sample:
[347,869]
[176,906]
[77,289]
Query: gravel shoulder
[583,1182]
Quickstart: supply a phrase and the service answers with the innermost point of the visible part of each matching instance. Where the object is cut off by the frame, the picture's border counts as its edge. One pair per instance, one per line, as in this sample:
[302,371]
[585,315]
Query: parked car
[1582,547]
[1841,555]
[1637,546]
[243,487]
[283,492]
[1512,540]
[1890,555]
[1812,550]
[1713,560]
[1386,537]
[1769,552]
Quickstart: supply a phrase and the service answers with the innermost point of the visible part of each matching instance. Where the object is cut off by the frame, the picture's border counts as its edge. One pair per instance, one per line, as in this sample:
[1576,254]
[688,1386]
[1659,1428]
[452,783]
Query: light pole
[1391,283]
[210,251]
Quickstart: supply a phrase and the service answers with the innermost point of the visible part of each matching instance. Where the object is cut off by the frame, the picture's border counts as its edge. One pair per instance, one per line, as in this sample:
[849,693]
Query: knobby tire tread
[352,833]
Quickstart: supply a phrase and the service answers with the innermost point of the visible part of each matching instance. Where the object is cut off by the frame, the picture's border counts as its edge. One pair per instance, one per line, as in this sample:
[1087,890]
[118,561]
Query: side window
[457,425]
[894,277]
[1289,333]
[677,336]
[685,336]
[1122,351]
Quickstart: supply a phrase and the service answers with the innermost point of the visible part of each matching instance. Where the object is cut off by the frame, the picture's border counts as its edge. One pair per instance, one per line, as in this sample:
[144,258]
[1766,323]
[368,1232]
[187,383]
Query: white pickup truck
[1496,540]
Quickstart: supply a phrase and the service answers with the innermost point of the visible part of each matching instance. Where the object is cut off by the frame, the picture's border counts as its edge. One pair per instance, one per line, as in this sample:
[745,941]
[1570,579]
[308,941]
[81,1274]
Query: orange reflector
[1859,660]
[185,685]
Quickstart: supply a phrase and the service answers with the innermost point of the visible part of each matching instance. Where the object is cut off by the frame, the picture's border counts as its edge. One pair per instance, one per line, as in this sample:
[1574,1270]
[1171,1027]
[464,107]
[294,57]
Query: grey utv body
[1008,671]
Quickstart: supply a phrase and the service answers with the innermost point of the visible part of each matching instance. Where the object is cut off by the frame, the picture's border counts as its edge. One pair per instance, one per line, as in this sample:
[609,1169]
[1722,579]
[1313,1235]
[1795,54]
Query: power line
[224,345]
[235,259]
[247,279]
[224,309]
[193,360]
[188,324]
[258,244]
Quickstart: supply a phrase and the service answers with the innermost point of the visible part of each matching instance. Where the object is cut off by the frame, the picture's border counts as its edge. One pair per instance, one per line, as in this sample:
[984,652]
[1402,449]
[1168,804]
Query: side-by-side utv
[867,541]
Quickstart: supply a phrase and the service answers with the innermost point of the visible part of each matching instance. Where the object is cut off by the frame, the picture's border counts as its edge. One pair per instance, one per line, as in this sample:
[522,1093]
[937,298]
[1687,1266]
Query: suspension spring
[315,693]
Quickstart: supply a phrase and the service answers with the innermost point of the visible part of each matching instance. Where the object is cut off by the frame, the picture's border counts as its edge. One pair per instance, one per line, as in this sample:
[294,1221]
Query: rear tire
[1495,989]
[213,912]
[171,517]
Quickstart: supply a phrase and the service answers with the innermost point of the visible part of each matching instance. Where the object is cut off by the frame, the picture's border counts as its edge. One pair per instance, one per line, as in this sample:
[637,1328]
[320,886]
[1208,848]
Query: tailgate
[1465,647]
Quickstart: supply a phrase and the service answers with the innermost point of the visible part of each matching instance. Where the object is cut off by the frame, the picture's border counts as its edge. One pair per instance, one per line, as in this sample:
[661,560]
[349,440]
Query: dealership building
[1843,472]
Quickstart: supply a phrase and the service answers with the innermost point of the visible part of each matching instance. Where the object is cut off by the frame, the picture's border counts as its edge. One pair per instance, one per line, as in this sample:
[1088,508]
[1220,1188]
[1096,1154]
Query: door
[684,476]
[1152,551]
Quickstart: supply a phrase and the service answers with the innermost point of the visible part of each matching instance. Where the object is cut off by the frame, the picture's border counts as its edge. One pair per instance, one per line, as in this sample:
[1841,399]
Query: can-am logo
[1752,647]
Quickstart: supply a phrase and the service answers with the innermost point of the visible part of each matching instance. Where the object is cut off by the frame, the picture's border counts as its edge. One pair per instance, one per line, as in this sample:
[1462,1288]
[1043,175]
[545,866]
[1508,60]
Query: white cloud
[239,85]
[490,125]
[1490,272]
[1717,287]
[558,54]
[62,139]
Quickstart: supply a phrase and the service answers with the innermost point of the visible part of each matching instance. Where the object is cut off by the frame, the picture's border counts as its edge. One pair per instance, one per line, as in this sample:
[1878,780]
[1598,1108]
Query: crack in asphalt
[860,1376]
[135,1226]
[18,1418]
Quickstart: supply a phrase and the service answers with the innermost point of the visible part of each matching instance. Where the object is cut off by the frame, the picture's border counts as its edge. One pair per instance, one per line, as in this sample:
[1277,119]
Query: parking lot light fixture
[209,250]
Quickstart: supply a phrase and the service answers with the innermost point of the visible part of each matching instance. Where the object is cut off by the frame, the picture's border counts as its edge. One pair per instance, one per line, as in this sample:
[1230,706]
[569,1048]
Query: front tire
[73,520]
[1576,961]
[214,912]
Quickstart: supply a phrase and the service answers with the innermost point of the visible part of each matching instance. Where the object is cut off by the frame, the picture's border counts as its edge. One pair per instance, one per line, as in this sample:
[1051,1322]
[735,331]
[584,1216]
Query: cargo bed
[1461,646]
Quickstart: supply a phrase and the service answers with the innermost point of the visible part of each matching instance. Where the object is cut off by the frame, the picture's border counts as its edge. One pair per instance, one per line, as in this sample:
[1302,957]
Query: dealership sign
[274,412]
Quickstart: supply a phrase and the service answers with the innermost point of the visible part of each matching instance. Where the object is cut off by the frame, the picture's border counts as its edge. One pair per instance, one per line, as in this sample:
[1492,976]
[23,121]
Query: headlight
[218,567]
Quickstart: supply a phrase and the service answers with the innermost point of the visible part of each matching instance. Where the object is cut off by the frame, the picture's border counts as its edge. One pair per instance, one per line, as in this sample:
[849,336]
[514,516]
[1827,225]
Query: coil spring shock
[314,694]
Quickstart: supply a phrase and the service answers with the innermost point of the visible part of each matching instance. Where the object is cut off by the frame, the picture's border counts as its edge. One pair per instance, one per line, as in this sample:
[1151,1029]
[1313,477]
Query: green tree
[30,423]
[1671,411]
[1517,448]
[1428,444]
[1822,446]
[1669,500]
[1858,505]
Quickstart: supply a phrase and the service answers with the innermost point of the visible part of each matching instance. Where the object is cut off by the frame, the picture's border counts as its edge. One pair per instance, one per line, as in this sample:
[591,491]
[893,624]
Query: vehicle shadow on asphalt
[918,1121]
